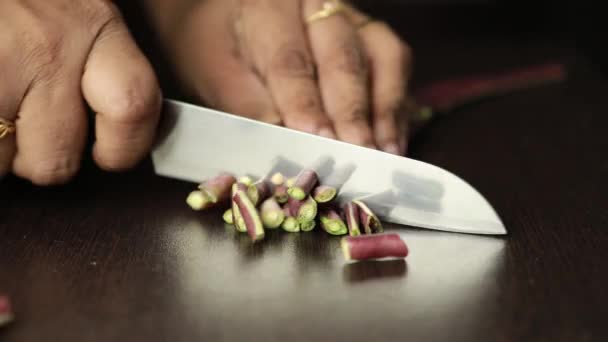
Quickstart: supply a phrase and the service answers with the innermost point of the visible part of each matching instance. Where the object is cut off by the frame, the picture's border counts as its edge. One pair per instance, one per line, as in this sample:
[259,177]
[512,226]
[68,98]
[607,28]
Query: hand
[261,59]
[54,56]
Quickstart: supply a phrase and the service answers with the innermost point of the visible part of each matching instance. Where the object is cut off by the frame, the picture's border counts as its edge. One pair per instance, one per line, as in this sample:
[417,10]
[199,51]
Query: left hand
[261,59]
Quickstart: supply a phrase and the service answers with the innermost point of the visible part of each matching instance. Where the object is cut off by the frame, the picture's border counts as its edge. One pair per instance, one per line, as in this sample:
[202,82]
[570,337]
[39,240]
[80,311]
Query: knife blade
[196,143]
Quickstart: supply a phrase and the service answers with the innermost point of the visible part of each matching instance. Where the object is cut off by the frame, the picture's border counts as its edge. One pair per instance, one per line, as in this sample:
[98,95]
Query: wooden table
[122,258]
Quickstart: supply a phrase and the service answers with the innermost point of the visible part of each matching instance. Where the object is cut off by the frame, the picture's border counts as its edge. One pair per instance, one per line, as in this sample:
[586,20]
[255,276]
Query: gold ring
[329,8]
[6,128]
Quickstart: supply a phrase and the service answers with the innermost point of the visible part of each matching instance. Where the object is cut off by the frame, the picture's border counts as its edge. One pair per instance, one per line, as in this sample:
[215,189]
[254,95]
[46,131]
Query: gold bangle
[6,128]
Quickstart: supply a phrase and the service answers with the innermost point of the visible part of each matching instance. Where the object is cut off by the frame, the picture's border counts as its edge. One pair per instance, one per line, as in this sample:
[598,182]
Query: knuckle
[136,100]
[52,172]
[45,45]
[291,60]
[355,111]
[102,11]
[348,59]
[102,15]
[390,112]
[307,104]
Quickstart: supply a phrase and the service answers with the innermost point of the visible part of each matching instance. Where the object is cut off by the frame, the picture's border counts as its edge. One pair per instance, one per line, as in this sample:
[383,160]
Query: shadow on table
[374,269]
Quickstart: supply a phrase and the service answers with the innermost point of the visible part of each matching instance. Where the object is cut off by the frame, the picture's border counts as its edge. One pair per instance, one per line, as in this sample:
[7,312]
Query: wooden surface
[121,257]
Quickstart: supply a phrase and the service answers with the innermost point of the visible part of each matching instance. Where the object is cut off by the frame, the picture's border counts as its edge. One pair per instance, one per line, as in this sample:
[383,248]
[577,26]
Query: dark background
[579,24]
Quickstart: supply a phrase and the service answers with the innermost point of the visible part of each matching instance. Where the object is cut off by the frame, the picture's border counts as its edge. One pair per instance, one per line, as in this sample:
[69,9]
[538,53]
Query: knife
[197,143]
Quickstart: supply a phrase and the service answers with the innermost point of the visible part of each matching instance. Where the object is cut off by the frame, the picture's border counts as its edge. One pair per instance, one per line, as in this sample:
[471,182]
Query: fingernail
[392,148]
[327,133]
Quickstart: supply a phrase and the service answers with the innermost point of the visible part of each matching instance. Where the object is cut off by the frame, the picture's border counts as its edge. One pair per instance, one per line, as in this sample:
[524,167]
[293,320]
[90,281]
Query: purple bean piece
[237,218]
[324,193]
[218,188]
[259,191]
[198,200]
[351,212]
[368,219]
[307,210]
[290,225]
[250,215]
[272,213]
[377,246]
[277,179]
[280,193]
[294,206]
[332,223]
[304,183]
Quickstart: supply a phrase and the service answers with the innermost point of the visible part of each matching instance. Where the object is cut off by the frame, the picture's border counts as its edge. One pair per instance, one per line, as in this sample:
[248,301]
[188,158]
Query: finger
[220,77]
[12,89]
[274,38]
[390,62]
[7,147]
[342,75]
[236,89]
[51,131]
[121,87]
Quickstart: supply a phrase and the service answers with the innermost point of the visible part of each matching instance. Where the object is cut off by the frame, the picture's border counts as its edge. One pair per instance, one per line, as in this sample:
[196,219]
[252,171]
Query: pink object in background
[6,312]
[445,95]
[441,97]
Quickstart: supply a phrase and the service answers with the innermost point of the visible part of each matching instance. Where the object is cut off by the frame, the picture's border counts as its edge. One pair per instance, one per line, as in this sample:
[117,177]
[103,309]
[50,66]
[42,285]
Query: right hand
[55,55]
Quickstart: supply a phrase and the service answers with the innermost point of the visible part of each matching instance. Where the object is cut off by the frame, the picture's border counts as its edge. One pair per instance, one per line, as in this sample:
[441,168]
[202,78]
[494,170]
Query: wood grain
[122,258]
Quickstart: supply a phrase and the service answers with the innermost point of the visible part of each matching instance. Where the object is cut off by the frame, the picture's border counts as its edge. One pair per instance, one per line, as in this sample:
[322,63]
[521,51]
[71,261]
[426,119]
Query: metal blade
[197,143]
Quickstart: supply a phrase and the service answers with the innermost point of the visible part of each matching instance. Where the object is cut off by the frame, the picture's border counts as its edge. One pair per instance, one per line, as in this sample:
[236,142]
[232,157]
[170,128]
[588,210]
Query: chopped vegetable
[290,224]
[293,205]
[307,210]
[324,193]
[237,218]
[303,185]
[6,312]
[218,188]
[228,216]
[277,179]
[280,193]
[332,223]
[245,180]
[307,226]
[374,246]
[290,182]
[198,200]
[302,210]
[272,213]
[250,215]
[369,220]
[351,212]
[258,191]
